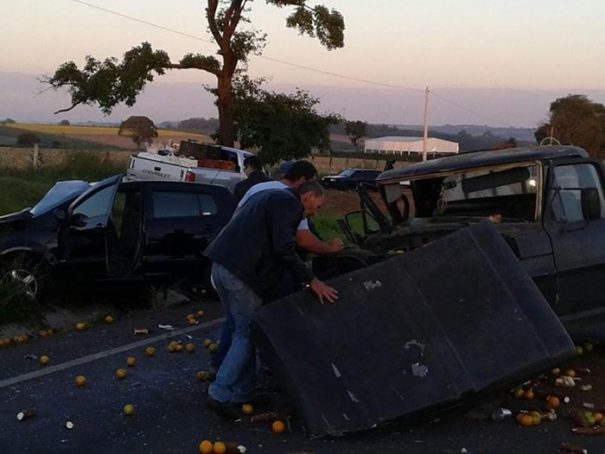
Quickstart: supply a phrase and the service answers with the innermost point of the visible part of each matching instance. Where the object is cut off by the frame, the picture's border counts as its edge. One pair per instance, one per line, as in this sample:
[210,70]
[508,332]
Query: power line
[285,62]
[276,60]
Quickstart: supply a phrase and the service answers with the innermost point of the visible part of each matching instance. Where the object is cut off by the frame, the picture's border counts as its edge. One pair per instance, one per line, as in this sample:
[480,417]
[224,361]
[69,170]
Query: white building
[401,145]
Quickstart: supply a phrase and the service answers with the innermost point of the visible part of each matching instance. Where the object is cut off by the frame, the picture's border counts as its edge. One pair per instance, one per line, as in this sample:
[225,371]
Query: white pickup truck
[193,162]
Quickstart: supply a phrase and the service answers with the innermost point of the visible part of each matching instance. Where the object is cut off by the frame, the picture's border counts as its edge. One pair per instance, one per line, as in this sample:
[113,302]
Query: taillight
[190,176]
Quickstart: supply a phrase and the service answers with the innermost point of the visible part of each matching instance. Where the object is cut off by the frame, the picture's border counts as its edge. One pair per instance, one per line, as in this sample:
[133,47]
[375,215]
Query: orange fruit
[80,381]
[190,347]
[207,343]
[570,373]
[121,373]
[150,351]
[42,333]
[518,393]
[179,347]
[528,394]
[579,350]
[536,418]
[598,417]
[525,420]
[555,371]
[109,319]
[44,360]
[172,346]
[212,347]
[278,427]
[201,375]
[553,402]
[205,447]
[80,326]
[191,321]
[219,448]
[128,409]
[200,313]
[247,409]
[131,361]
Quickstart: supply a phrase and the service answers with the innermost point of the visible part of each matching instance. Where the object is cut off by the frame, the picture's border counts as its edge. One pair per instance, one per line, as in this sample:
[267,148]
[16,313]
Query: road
[170,416]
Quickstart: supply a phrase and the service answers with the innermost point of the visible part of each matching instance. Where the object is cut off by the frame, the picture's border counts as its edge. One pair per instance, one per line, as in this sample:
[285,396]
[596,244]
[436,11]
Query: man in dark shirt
[249,257]
[253,168]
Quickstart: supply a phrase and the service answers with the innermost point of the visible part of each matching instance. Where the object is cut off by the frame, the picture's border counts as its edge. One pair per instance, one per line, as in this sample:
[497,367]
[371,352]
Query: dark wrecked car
[547,202]
[114,232]
[350,179]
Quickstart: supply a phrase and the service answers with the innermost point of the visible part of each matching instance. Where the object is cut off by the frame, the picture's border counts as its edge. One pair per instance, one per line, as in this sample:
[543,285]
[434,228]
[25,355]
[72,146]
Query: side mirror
[591,203]
[60,215]
[79,220]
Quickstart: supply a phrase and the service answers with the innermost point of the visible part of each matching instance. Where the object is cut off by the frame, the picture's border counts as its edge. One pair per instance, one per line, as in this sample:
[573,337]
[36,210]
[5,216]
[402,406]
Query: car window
[566,192]
[172,204]
[97,204]
[346,173]
[207,205]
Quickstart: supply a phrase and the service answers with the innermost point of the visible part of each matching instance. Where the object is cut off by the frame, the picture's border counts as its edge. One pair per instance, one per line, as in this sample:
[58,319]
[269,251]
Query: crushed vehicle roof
[482,158]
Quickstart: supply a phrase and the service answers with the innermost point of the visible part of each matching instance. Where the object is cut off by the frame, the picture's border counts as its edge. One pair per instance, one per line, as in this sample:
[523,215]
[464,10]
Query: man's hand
[325,293]
[336,245]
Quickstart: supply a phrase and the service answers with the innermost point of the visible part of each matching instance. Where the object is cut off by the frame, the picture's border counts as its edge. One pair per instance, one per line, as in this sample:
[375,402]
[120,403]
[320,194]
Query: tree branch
[67,109]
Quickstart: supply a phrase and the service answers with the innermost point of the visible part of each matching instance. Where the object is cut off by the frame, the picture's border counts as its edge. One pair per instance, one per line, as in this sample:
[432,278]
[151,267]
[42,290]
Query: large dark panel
[457,316]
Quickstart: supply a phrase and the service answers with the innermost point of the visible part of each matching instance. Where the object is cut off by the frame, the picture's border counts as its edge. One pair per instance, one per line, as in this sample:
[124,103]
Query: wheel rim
[25,280]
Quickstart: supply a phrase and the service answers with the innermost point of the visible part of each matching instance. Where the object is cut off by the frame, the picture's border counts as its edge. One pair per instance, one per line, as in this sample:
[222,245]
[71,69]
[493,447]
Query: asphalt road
[170,416]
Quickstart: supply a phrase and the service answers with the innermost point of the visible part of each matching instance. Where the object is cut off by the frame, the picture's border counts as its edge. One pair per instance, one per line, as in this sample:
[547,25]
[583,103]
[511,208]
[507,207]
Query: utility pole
[425,140]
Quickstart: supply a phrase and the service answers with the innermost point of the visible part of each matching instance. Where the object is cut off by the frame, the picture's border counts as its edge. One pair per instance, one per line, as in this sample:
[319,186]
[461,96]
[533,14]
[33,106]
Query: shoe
[226,410]
[257,398]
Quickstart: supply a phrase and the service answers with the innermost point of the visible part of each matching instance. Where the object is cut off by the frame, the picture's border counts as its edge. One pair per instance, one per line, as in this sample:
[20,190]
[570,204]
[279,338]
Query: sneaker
[257,398]
[226,410]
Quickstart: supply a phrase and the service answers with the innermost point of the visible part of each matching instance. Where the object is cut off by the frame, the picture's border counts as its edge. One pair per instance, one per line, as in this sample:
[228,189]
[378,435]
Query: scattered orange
[207,343]
[278,427]
[553,402]
[42,333]
[80,381]
[131,361]
[528,394]
[180,347]
[598,417]
[128,409]
[80,326]
[200,313]
[109,319]
[44,360]
[555,371]
[219,448]
[121,373]
[247,409]
[172,346]
[205,447]
[588,347]
[201,375]
[150,351]
[192,321]
[570,373]
[518,393]
[579,350]
[536,418]
[213,347]
[190,347]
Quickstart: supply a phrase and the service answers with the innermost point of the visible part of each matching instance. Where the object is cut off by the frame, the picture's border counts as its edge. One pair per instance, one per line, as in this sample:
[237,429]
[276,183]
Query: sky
[484,61]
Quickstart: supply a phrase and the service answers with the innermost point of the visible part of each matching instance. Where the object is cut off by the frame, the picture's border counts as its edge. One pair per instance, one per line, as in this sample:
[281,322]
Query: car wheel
[25,276]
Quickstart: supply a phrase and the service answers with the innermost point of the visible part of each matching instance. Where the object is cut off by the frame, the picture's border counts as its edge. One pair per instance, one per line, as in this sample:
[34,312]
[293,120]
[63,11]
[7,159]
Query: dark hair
[301,169]
[254,162]
[311,186]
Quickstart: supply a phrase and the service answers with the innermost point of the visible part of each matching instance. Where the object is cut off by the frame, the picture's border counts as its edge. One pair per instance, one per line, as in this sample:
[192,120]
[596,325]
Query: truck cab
[547,202]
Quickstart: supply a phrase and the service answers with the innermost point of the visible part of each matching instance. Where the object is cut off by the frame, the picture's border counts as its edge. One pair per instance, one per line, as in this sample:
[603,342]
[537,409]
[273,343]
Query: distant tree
[109,83]
[141,129]
[576,120]
[281,126]
[355,130]
[199,124]
[8,121]
[64,123]
[27,139]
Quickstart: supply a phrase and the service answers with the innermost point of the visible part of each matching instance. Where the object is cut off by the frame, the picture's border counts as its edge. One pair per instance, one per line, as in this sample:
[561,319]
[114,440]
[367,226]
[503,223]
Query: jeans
[236,377]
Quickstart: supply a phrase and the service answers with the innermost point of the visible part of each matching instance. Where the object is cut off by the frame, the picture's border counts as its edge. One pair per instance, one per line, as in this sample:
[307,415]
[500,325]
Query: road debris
[26,414]
[166,327]
[139,331]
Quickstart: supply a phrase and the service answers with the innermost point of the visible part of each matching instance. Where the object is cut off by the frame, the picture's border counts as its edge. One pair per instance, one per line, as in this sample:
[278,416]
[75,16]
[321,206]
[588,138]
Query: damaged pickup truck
[547,202]
[468,284]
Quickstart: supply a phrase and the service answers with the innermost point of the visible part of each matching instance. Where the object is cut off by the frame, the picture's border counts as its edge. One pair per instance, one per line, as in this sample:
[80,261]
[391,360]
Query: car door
[578,241]
[181,221]
[84,238]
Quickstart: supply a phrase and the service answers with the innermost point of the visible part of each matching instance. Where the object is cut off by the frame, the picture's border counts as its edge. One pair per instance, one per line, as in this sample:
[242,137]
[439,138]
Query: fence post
[35,157]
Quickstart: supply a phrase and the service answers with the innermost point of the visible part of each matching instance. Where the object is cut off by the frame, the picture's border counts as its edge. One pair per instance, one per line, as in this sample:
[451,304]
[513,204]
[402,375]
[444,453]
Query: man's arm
[306,240]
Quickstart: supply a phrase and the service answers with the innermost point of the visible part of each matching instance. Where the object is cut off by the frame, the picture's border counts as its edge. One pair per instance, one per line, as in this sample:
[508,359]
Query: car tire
[24,276]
